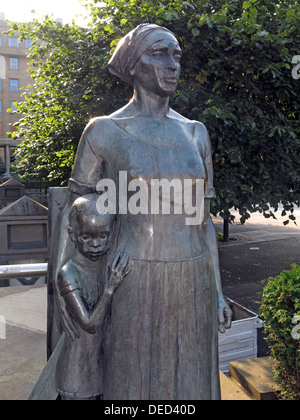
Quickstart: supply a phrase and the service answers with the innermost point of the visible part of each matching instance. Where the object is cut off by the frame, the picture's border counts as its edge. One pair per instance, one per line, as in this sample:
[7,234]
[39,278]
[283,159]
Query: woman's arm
[85,176]
[224,311]
[87,171]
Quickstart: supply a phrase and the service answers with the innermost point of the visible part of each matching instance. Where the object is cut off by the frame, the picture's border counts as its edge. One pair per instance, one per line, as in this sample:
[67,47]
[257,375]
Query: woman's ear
[71,234]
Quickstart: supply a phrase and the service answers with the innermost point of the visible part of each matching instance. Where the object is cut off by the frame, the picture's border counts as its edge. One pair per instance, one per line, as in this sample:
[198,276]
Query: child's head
[89,230]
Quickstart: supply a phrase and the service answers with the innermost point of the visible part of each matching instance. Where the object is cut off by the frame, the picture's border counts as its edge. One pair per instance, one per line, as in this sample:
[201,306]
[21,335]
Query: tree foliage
[236,78]
[70,87]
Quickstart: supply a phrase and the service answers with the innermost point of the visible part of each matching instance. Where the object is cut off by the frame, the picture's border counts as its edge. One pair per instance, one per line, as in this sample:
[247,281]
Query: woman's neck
[150,104]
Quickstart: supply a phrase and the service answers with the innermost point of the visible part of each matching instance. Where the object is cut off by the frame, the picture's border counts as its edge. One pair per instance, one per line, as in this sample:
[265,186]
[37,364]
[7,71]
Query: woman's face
[158,69]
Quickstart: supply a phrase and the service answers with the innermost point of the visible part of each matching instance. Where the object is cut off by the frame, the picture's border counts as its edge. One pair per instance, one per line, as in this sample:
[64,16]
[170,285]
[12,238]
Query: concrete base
[232,391]
[256,377]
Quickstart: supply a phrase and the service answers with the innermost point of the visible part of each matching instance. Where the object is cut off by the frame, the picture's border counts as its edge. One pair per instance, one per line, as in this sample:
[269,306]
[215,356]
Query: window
[1,130]
[28,43]
[12,193]
[13,105]
[13,63]
[13,42]
[26,236]
[1,107]
[1,41]
[14,85]
[0,85]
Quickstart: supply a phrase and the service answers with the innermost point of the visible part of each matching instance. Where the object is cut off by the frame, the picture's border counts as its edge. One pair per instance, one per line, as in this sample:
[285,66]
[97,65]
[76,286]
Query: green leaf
[195,32]
[109,29]
[262,33]
[246,4]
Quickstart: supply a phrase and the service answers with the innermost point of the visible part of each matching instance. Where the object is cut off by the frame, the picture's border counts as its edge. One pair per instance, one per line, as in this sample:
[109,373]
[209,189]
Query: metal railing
[23,270]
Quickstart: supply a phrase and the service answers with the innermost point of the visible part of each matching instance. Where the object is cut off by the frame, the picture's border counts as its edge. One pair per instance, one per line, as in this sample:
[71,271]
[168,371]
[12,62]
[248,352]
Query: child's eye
[103,235]
[85,237]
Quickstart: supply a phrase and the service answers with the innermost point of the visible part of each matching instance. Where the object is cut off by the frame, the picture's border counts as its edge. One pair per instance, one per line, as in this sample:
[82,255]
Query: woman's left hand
[224,314]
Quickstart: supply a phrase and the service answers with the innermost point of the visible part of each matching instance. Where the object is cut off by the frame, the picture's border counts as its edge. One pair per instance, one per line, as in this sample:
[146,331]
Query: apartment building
[14,77]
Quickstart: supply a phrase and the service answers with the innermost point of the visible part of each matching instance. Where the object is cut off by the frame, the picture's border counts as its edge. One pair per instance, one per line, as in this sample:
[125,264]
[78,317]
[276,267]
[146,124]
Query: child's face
[92,236]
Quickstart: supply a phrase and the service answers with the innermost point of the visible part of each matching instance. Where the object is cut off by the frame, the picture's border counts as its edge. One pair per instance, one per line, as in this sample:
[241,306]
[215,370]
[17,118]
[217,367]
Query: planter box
[240,342]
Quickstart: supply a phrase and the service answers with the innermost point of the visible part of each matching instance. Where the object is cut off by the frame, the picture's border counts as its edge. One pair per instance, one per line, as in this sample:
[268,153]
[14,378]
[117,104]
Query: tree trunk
[226,230]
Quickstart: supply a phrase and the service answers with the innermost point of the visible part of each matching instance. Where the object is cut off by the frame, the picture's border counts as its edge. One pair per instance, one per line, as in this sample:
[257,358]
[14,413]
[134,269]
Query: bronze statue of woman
[161,333]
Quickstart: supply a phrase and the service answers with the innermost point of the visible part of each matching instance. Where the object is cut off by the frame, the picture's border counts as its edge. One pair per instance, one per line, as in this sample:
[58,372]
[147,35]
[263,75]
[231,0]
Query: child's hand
[118,272]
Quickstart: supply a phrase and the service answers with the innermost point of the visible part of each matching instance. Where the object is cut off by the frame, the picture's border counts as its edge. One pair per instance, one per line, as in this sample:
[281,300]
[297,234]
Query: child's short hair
[84,206]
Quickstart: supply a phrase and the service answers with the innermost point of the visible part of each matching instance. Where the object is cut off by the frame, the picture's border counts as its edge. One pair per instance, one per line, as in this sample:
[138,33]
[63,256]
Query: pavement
[257,250]
[22,339]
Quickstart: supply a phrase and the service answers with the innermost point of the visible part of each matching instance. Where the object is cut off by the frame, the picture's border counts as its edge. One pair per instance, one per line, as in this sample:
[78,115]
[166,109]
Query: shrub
[280,311]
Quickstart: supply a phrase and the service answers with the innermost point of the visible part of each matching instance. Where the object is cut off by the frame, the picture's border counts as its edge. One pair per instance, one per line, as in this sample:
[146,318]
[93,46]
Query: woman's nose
[172,64]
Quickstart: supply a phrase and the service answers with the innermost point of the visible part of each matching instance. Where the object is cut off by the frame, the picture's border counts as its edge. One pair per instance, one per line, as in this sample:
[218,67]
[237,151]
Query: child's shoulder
[69,268]
[67,279]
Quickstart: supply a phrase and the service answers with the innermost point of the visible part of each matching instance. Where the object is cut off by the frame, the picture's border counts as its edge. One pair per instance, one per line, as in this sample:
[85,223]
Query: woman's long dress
[161,332]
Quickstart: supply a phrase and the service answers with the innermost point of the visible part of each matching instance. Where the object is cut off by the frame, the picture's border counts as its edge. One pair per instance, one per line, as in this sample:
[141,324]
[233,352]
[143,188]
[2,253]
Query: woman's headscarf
[132,47]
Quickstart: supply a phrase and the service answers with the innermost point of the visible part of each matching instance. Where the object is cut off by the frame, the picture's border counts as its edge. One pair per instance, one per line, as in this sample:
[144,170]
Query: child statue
[85,299]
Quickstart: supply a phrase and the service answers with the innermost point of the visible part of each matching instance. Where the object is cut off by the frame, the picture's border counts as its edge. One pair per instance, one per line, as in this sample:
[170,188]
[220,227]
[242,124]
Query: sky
[20,10]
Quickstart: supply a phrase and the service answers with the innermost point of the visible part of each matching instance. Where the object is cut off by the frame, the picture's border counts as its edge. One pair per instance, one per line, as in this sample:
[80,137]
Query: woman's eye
[157,54]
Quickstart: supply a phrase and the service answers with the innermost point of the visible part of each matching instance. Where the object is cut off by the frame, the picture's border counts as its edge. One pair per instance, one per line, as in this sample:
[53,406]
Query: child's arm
[118,272]
[69,290]
[72,297]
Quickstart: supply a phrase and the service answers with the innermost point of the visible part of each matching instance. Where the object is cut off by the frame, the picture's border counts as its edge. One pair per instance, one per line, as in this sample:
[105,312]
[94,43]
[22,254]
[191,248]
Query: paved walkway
[257,250]
[23,339]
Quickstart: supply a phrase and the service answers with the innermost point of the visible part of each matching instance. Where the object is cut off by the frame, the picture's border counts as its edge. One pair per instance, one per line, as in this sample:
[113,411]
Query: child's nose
[96,243]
